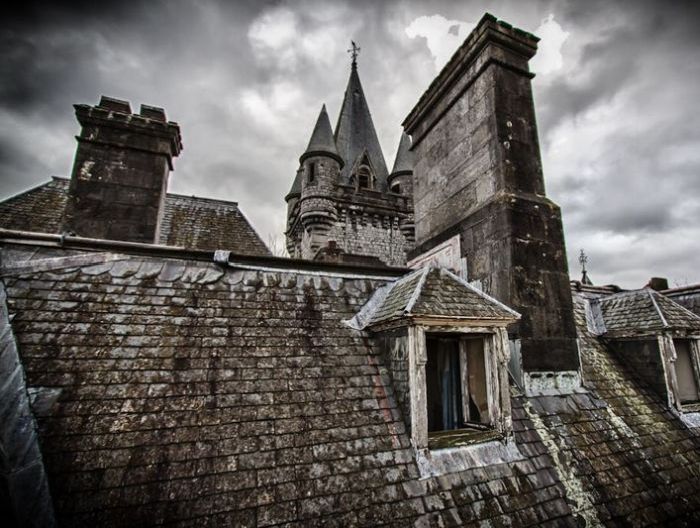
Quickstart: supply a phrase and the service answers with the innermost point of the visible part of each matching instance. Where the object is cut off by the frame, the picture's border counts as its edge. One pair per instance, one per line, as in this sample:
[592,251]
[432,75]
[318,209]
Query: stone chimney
[120,175]
[478,179]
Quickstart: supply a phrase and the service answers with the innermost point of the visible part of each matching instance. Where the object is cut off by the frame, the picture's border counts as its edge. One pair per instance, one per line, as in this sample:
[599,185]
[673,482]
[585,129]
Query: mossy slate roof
[188,221]
[197,395]
[436,292]
[644,311]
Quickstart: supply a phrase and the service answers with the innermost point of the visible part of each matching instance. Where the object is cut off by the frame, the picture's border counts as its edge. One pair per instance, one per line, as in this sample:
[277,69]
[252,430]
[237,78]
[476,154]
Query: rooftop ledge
[232,259]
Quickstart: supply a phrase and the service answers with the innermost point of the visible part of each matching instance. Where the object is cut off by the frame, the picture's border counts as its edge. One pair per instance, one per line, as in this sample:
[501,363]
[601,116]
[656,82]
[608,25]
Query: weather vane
[354,51]
[583,260]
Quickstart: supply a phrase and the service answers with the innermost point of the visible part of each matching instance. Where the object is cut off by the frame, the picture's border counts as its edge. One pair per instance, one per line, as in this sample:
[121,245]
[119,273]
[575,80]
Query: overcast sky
[617,95]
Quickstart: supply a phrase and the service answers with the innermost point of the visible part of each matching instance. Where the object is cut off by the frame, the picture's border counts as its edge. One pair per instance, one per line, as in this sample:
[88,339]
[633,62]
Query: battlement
[155,133]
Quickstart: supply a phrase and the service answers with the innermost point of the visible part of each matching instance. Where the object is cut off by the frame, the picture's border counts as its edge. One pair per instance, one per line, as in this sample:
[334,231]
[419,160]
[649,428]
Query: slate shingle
[644,311]
[188,221]
[197,395]
[436,292]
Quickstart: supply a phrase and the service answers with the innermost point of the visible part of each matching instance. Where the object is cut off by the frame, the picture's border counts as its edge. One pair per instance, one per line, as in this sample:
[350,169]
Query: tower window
[396,188]
[312,172]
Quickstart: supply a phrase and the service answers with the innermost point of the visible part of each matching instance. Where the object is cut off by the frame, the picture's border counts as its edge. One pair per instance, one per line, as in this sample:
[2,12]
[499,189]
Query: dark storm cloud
[245,80]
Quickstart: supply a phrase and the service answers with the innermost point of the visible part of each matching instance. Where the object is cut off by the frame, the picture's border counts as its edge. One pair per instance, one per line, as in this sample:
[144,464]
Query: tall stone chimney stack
[478,178]
[120,175]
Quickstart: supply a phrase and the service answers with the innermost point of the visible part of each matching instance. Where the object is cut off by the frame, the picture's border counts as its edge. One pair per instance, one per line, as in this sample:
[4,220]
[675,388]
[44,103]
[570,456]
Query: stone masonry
[121,170]
[478,174]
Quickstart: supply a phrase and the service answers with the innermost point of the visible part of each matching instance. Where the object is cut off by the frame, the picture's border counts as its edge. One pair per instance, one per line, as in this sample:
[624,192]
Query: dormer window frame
[496,355]
[668,345]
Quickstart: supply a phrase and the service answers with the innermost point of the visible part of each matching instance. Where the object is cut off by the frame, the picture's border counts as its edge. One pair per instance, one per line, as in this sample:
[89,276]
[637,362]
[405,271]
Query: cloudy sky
[617,95]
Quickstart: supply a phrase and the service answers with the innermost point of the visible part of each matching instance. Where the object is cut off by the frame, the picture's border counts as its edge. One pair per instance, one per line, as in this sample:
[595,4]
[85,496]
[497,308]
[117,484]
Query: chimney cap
[153,112]
[658,283]
[118,105]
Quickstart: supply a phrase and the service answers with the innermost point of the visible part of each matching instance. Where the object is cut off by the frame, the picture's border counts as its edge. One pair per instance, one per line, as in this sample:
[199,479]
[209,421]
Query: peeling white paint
[552,383]
[456,459]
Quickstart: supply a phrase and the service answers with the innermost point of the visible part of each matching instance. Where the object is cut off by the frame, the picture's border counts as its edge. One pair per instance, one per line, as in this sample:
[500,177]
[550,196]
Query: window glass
[478,406]
[443,384]
[456,383]
[685,374]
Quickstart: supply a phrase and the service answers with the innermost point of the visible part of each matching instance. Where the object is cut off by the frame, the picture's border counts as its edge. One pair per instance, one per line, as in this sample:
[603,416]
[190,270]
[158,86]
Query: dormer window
[686,369]
[448,359]
[657,339]
[458,390]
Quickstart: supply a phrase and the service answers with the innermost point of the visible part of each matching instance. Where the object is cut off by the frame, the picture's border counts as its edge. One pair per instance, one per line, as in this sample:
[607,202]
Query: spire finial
[583,260]
[354,51]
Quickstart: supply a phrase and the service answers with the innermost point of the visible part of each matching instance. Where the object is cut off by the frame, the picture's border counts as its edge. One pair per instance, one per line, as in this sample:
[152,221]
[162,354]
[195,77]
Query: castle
[421,360]
[343,193]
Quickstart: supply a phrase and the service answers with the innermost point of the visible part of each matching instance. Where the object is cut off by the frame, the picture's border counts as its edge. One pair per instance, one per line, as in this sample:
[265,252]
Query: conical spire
[404,157]
[355,131]
[322,141]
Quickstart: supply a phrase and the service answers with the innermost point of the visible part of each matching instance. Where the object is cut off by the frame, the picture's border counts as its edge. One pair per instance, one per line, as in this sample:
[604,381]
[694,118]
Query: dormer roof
[638,312]
[432,293]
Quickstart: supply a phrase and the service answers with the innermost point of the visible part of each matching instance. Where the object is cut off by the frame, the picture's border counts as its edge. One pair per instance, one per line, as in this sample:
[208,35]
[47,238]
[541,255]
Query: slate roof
[198,395]
[643,311]
[688,296]
[39,209]
[322,140]
[355,133]
[188,221]
[404,156]
[433,292]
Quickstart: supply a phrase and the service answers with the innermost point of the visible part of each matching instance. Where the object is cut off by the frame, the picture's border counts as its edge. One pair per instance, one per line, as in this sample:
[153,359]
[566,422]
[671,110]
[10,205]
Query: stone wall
[121,169]
[478,175]
[377,236]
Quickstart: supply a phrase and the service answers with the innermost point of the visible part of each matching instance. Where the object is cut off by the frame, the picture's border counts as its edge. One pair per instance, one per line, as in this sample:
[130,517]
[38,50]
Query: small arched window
[396,188]
[364,178]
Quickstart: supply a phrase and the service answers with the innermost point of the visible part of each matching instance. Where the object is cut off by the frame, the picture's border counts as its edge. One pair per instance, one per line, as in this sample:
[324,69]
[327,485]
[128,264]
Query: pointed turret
[355,133]
[404,157]
[401,177]
[322,142]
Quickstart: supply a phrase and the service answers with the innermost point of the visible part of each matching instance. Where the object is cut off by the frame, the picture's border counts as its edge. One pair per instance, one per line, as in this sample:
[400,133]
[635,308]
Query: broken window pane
[476,375]
[685,373]
[456,383]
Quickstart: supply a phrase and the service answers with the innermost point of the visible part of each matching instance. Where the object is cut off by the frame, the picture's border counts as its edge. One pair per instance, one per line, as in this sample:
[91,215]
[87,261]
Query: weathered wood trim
[504,357]
[464,376]
[417,358]
[668,361]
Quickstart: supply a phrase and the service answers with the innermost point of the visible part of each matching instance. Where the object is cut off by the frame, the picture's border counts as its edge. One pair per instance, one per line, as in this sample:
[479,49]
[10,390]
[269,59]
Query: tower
[341,197]
[318,172]
[478,179]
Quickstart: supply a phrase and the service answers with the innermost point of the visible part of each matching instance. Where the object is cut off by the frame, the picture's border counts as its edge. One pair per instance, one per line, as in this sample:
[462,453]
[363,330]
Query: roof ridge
[677,305]
[664,322]
[201,199]
[417,291]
